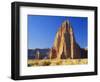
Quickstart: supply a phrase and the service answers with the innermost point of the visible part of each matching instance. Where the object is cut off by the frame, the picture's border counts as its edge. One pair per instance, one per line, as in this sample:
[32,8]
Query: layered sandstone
[65,45]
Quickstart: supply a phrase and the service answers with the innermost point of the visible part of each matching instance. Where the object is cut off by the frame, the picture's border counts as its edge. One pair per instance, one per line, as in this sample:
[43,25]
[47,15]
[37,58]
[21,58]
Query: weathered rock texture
[65,45]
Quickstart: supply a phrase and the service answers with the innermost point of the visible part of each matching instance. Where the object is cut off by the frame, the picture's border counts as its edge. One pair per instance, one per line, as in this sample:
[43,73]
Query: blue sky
[42,30]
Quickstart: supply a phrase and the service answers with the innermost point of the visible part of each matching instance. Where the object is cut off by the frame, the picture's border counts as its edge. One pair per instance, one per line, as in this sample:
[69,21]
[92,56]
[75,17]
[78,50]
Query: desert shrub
[46,63]
[58,62]
[69,62]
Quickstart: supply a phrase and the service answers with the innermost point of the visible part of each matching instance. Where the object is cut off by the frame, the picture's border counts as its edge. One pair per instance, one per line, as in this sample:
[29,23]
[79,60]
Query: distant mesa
[38,53]
[64,46]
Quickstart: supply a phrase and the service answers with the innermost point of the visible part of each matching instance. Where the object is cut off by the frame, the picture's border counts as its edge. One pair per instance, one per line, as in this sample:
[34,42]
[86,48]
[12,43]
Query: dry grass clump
[59,62]
[33,63]
[46,63]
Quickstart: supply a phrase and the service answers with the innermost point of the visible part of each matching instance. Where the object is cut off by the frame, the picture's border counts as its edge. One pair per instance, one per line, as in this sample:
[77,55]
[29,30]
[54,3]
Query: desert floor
[53,62]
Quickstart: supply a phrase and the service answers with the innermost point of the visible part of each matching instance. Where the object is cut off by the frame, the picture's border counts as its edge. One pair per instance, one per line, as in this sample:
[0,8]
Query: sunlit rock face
[65,45]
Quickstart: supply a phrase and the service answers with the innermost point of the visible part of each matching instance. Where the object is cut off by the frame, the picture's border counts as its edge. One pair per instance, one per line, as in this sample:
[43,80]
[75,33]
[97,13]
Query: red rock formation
[65,45]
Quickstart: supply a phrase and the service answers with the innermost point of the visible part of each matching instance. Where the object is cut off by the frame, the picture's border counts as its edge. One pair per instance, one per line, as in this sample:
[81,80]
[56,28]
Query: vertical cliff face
[65,45]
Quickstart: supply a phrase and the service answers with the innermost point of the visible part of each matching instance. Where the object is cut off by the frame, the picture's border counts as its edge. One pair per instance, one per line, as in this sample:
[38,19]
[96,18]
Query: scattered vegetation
[47,62]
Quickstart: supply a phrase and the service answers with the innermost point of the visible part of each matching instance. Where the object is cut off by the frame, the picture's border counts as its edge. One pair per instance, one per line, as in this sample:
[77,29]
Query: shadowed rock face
[65,45]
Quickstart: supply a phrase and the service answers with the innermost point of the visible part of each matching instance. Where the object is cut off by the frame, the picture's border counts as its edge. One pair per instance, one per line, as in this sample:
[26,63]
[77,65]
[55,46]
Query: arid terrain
[64,51]
[53,62]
